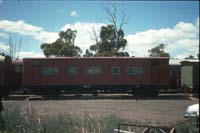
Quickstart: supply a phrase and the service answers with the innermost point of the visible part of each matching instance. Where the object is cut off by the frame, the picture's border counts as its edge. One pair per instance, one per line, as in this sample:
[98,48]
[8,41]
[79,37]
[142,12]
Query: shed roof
[174,61]
[190,62]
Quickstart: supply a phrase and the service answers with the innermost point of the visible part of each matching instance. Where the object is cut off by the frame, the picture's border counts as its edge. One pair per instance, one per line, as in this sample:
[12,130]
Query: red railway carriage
[96,74]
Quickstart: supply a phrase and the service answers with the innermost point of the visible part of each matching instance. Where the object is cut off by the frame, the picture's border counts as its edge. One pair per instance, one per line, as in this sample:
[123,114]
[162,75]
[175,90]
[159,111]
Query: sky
[150,23]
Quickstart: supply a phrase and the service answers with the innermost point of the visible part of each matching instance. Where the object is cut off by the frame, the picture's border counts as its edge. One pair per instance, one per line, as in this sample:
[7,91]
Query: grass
[187,127]
[17,121]
[26,121]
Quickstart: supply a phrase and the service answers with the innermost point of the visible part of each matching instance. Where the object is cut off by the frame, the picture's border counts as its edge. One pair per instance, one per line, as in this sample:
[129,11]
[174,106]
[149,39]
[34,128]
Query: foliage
[190,57]
[63,46]
[158,51]
[187,127]
[111,36]
[111,13]
[2,54]
[88,53]
[107,45]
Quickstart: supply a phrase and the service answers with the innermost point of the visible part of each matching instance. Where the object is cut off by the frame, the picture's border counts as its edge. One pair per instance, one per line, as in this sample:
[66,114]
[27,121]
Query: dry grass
[18,121]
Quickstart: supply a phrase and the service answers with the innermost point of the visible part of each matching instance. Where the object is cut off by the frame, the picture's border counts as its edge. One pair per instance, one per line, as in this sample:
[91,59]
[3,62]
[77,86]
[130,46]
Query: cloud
[23,28]
[83,36]
[84,33]
[4,35]
[47,37]
[4,48]
[1,1]
[180,41]
[27,54]
[19,27]
[74,14]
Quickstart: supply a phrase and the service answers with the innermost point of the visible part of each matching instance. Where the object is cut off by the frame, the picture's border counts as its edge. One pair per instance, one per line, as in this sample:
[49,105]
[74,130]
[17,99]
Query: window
[54,70]
[72,70]
[93,70]
[115,70]
[134,70]
[139,70]
[47,71]
[131,70]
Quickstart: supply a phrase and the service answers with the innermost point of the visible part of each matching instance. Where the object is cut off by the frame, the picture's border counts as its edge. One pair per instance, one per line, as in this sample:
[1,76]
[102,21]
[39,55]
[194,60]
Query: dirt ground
[165,109]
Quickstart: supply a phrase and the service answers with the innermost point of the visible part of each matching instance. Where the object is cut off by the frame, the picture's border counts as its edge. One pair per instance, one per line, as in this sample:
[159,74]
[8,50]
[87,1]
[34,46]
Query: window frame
[72,70]
[50,71]
[135,70]
[116,67]
[139,70]
[132,73]
[99,72]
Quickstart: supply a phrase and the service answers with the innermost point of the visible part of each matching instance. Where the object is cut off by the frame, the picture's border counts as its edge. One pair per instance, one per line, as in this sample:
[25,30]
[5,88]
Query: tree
[190,57]
[88,53]
[111,36]
[158,51]
[13,48]
[106,45]
[110,11]
[2,54]
[63,46]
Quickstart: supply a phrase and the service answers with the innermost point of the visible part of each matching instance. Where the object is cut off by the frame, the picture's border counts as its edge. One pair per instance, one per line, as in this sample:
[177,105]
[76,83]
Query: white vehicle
[192,111]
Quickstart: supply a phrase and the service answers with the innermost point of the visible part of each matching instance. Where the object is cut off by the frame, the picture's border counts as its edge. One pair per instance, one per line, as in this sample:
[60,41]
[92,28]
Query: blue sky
[175,23]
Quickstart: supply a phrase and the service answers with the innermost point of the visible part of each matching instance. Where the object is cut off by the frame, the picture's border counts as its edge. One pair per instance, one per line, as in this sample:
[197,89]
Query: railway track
[21,96]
